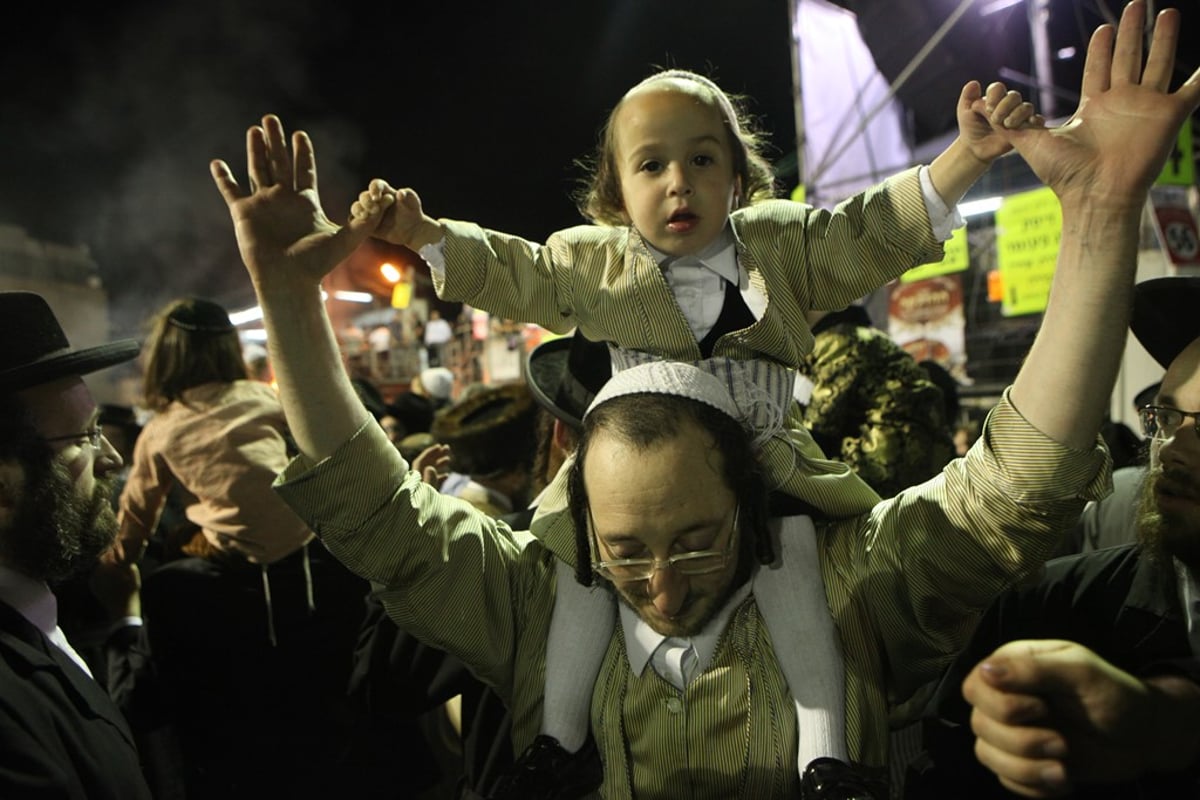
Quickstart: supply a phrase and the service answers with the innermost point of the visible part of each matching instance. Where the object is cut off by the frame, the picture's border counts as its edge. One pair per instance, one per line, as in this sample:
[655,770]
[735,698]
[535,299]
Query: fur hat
[491,431]
[36,349]
[1165,318]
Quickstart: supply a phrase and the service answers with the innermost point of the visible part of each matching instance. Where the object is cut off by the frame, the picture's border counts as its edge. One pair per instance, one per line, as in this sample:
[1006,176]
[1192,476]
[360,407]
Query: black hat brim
[545,373]
[565,374]
[1166,316]
[62,365]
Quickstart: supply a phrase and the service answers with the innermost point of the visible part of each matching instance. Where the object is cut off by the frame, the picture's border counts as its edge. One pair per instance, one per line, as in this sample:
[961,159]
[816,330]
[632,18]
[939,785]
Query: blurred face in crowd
[679,503]
[393,428]
[59,516]
[1170,522]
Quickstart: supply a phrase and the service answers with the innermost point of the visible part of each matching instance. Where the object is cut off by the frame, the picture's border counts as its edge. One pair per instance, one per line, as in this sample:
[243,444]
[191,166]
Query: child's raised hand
[403,221]
[978,112]
[378,195]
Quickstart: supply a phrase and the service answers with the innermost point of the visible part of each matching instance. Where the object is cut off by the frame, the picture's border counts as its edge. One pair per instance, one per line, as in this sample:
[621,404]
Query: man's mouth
[1173,490]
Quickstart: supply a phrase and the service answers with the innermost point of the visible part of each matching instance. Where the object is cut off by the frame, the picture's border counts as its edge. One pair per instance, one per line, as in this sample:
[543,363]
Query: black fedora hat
[1166,316]
[564,375]
[36,350]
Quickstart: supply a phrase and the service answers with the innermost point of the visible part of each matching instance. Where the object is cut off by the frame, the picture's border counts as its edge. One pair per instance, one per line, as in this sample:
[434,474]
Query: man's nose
[109,458]
[668,590]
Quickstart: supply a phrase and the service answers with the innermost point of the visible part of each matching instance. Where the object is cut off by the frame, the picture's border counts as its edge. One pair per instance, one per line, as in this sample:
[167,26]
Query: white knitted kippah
[669,377]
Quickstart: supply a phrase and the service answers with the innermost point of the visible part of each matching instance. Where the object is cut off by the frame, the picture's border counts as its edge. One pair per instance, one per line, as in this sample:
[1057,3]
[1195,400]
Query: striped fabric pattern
[905,584]
[605,281]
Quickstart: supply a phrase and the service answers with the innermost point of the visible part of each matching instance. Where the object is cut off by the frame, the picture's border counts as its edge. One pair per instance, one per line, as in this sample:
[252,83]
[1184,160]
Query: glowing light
[353,297]
[996,5]
[974,208]
[239,318]
[389,272]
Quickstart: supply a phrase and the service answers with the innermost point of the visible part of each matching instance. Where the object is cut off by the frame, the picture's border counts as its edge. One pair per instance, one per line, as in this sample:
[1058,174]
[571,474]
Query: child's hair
[599,197]
[191,342]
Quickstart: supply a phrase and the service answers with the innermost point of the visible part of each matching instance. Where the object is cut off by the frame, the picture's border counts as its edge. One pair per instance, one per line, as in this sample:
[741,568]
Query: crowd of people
[655,567]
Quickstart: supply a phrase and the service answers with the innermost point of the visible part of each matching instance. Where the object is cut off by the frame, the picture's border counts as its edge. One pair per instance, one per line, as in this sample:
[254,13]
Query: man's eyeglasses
[1162,422]
[93,435]
[695,562]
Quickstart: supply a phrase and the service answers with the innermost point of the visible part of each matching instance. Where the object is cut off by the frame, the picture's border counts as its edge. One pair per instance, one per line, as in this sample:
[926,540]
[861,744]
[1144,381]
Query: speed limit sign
[1180,237]
[1182,241]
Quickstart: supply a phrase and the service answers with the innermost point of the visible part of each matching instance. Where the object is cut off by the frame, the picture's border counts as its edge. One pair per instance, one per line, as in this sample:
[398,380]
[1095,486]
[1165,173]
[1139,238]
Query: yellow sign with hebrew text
[1028,231]
[956,259]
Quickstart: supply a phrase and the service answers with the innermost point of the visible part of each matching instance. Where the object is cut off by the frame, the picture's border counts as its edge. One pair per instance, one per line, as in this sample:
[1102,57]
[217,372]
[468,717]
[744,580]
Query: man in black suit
[60,734]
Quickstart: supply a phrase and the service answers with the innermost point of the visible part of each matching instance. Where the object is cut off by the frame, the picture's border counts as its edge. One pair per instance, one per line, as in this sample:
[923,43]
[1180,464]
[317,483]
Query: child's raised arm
[404,222]
[978,145]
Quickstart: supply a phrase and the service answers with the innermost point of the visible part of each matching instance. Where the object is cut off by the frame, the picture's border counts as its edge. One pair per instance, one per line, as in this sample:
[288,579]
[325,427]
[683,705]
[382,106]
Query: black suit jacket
[61,736]
[1119,603]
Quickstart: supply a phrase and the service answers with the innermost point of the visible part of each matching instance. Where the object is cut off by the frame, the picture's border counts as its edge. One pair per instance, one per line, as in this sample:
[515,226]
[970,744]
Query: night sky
[110,112]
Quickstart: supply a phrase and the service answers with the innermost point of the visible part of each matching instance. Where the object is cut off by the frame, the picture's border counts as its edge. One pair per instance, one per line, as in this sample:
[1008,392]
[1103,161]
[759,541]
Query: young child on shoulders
[690,257]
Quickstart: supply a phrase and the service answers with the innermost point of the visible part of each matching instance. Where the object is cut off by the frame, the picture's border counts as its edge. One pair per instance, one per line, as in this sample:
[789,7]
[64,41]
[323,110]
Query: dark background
[110,113]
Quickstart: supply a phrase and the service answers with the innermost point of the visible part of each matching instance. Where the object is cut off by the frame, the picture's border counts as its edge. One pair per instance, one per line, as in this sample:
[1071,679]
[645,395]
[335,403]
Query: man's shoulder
[14,627]
[1095,584]
[1112,562]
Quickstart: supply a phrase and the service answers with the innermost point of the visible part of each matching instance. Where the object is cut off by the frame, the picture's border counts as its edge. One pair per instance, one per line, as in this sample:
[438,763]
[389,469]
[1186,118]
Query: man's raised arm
[1101,164]
[288,246]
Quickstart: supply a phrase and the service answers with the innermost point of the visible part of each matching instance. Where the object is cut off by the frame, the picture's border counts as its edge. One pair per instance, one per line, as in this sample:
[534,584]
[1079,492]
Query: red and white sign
[1177,231]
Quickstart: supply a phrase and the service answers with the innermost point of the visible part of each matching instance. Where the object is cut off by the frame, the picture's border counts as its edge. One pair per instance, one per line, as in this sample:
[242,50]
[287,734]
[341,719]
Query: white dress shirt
[1189,600]
[34,601]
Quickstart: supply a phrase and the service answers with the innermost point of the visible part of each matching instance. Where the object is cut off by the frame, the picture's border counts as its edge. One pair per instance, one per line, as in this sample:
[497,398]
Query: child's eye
[650,166]
[702,160]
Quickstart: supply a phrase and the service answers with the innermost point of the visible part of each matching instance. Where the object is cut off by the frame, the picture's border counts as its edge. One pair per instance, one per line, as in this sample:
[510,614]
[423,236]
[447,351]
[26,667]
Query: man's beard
[56,533]
[636,596]
[1169,535]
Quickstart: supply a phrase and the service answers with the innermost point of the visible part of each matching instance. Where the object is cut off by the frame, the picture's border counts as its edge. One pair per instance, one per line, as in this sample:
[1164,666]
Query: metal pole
[797,94]
[1039,21]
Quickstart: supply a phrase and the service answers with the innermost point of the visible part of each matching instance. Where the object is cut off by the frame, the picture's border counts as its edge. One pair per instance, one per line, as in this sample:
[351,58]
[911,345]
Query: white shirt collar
[641,640]
[1189,600]
[720,256]
[31,598]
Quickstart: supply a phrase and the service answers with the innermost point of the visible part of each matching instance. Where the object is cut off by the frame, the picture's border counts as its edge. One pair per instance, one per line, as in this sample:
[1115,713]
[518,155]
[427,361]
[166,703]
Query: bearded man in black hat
[60,734]
[1113,712]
